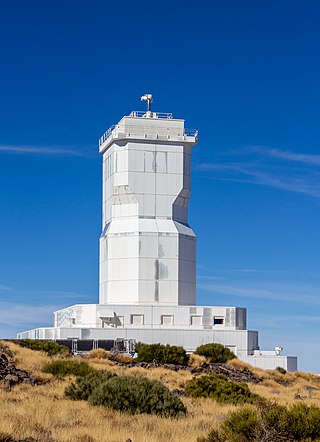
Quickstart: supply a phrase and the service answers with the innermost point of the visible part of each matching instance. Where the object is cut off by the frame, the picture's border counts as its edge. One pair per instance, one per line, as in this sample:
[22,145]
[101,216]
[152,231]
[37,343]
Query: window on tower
[218,320]
[137,319]
[166,319]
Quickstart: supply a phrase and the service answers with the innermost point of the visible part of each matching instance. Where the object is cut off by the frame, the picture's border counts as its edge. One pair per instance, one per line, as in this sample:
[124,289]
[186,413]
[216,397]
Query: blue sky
[246,74]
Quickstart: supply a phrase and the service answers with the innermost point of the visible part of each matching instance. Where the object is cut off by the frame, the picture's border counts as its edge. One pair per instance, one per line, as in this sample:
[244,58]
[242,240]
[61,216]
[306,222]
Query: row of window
[168,320]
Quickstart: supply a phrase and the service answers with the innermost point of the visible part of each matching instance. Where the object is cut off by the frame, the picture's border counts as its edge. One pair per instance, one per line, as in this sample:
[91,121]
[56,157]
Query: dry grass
[29,360]
[196,361]
[240,365]
[284,388]
[123,358]
[99,353]
[43,413]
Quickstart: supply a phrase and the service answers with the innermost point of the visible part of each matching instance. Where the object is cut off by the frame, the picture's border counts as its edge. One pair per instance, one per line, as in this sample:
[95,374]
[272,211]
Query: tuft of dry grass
[196,361]
[309,377]
[240,365]
[99,353]
[123,358]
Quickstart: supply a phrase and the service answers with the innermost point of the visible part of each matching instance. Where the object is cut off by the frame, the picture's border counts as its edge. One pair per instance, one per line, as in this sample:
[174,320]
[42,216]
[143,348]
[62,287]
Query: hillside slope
[40,412]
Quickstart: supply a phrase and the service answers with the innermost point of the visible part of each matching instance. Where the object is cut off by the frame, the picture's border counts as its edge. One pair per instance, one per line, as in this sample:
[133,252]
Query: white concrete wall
[189,338]
[155,316]
[147,250]
[271,362]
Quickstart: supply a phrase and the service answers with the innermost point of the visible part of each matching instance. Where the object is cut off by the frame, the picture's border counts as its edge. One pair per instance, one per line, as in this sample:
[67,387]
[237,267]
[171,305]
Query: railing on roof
[144,114]
[107,134]
[191,132]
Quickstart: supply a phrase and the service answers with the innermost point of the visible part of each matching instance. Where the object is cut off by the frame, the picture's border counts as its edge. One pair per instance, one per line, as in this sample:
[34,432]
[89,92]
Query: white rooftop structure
[148,250]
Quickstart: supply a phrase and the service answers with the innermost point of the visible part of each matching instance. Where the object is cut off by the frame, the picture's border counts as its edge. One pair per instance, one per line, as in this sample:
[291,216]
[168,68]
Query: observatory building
[147,287]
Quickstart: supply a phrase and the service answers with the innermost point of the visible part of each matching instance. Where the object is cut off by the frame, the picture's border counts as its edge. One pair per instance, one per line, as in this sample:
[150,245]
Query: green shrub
[161,354]
[85,385]
[63,367]
[298,422]
[220,389]
[136,395]
[281,370]
[215,352]
[213,436]
[49,347]
[241,426]
[269,422]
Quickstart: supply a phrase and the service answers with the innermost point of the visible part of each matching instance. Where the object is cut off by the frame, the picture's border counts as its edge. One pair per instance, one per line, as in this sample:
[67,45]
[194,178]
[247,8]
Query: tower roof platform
[148,126]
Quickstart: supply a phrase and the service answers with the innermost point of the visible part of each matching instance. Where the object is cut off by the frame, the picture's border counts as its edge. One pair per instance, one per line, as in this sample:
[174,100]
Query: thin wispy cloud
[279,292]
[281,169]
[65,294]
[44,150]
[287,155]
[281,321]
[5,288]
[20,314]
[49,294]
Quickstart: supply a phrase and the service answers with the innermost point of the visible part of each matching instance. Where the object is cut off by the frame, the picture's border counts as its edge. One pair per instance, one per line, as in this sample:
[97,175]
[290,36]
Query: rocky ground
[9,373]
[233,373]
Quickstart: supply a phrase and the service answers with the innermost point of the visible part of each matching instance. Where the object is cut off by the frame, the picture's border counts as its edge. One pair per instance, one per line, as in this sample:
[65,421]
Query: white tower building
[147,249]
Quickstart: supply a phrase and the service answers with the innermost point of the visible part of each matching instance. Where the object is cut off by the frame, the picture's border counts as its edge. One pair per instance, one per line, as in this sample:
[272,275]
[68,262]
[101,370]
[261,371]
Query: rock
[170,367]
[11,379]
[309,388]
[21,373]
[28,380]
[180,392]
[3,359]
[231,372]
[9,373]
[6,350]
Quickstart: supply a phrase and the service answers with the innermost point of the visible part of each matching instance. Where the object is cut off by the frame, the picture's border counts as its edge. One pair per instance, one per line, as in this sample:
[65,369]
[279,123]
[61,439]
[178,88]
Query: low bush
[300,422]
[136,395]
[85,385]
[213,436]
[281,370]
[241,426]
[270,423]
[215,352]
[63,367]
[219,388]
[49,347]
[161,354]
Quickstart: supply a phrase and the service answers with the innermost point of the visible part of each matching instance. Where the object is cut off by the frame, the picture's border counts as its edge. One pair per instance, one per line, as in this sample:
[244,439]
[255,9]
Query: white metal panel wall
[147,180]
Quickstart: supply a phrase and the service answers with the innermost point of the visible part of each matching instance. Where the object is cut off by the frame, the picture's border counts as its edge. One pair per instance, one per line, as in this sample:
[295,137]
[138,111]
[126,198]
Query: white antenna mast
[148,99]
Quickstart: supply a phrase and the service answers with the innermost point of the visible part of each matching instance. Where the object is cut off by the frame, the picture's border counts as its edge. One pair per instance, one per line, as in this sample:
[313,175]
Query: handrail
[143,114]
[107,134]
[191,132]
